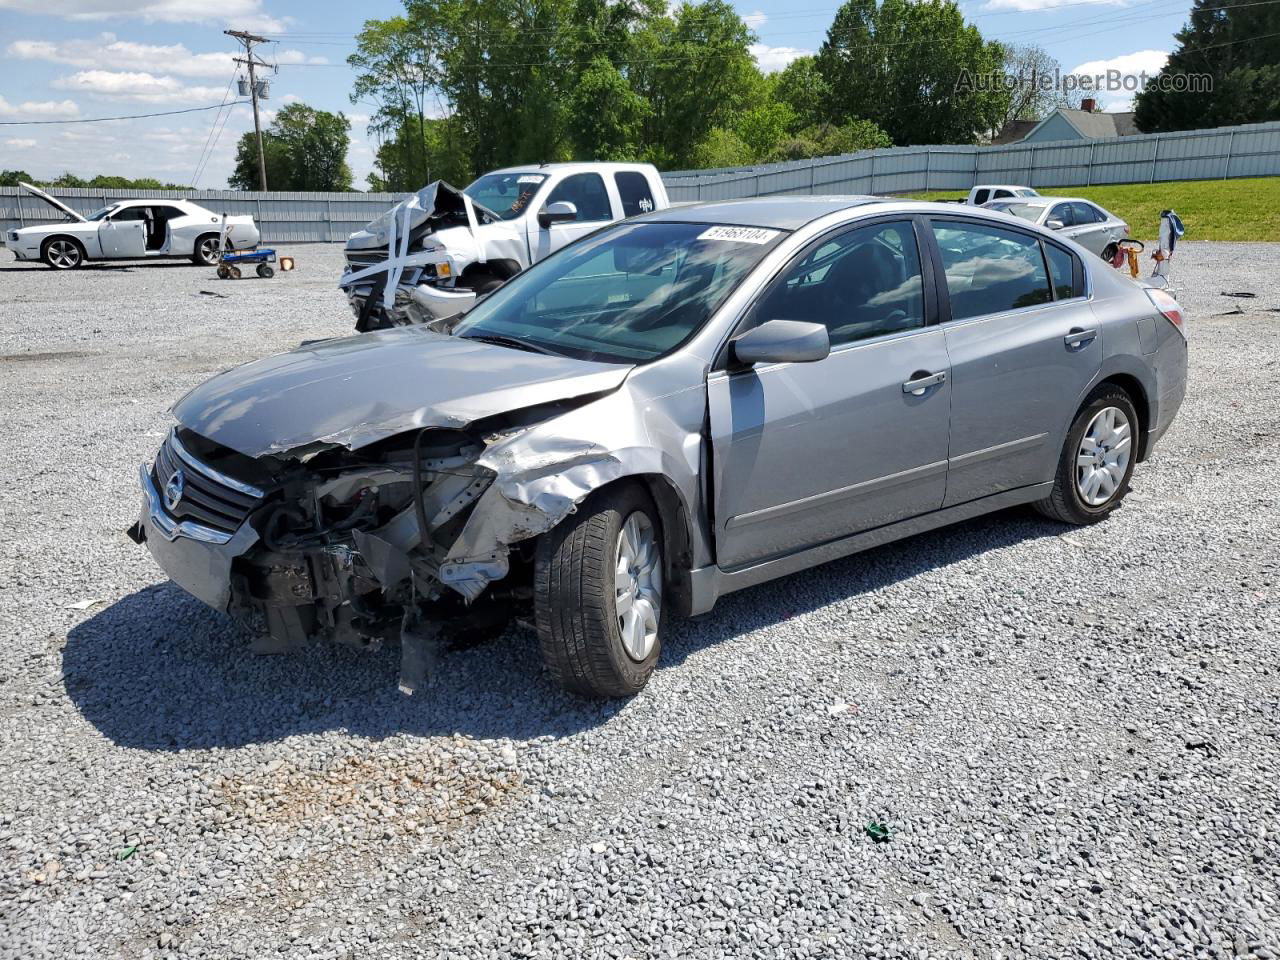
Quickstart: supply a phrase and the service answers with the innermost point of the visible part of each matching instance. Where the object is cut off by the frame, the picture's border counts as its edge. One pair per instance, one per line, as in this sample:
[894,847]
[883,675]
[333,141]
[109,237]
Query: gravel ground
[1073,736]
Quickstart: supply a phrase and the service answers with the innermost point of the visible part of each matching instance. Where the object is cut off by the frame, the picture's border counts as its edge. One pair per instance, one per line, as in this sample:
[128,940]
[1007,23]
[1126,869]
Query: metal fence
[1245,151]
[282,217]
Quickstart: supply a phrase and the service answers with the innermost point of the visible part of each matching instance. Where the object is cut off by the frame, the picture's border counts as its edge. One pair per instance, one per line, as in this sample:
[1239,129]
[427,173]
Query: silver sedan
[1088,224]
[678,406]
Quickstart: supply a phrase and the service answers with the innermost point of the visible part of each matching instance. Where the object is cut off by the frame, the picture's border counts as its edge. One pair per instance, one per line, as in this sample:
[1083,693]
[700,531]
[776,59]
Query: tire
[485,283]
[234,272]
[62,253]
[206,252]
[265,271]
[224,272]
[1109,252]
[1087,492]
[576,595]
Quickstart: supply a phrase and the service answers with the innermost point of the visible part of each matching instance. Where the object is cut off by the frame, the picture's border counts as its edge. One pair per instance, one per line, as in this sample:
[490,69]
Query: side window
[169,213]
[1083,214]
[130,213]
[863,283]
[981,197]
[586,192]
[633,188]
[990,269]
[1002,194]
[1064,213]
[1061,270]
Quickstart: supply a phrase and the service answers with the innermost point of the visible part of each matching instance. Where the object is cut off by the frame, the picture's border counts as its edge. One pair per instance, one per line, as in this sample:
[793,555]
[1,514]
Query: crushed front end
[324,543]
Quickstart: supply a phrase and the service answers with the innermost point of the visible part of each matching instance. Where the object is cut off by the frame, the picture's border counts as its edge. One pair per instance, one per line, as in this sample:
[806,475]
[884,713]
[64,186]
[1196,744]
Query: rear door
[124,233]
[1091,228]
[1022,350]
[588,194]
[807,453]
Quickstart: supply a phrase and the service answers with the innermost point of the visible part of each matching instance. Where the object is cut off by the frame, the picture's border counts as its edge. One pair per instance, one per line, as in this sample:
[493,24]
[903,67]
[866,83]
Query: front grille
[207,496]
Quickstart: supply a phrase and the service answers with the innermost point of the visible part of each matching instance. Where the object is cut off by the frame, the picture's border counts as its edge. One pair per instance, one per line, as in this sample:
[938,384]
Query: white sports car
[130,230]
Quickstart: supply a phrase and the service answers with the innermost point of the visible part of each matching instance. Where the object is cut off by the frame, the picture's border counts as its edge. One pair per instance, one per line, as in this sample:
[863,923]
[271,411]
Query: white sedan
[130,230]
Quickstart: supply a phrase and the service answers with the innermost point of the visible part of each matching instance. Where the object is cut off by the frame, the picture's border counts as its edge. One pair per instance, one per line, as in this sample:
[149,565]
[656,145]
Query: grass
[1233,210]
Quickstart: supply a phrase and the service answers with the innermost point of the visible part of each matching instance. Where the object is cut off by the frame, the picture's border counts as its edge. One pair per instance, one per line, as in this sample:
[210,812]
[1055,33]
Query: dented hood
[358,390]
[434,202]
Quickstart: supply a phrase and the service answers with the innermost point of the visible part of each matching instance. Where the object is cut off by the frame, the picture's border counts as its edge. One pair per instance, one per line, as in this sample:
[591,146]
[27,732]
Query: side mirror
[783,341]
[1054,224]
[562,211]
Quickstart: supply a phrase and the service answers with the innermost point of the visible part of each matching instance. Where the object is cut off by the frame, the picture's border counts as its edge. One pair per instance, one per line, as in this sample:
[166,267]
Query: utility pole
[249,39]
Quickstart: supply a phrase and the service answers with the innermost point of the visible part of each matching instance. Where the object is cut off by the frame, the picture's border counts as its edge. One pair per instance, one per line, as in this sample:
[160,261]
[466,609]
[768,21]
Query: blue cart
[264,257]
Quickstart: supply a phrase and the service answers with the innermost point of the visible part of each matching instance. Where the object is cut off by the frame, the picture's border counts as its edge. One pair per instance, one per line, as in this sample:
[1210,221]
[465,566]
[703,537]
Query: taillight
[1167,305]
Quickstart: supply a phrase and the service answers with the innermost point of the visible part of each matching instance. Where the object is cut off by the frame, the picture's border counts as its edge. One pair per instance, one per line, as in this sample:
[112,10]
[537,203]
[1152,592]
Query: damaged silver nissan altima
[673,408]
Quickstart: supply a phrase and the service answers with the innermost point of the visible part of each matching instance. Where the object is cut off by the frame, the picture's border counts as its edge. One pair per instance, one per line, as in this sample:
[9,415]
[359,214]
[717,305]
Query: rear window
[1061,271]
[633,189]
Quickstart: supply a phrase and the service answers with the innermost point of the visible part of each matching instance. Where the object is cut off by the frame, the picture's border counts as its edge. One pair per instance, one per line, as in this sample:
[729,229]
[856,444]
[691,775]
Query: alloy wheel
[638,585]
[1103,457]
[209,250]
[64,254]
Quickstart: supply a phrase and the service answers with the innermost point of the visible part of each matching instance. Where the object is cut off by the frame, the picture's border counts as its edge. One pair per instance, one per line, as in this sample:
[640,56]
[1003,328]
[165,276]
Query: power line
[226,96]
[134,116]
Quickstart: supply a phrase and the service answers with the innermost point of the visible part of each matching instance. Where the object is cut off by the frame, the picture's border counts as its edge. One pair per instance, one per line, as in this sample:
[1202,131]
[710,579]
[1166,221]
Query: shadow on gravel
[160,671]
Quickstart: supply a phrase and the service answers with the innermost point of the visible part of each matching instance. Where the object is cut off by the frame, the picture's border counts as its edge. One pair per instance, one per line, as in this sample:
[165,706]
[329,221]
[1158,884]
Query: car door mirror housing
[562,211]
[1054,224]
[782,341]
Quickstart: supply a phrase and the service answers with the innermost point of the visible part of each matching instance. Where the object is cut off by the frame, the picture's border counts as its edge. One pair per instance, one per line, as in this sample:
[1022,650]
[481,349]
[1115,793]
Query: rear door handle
[921,382]
[1078,337]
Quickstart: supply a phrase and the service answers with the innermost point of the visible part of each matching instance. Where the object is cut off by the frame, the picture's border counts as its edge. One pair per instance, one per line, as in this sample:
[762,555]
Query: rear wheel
[265,271]
[234,272]
[598,585]
[62,253]
[207,250]
[1109,253]
[1097,459]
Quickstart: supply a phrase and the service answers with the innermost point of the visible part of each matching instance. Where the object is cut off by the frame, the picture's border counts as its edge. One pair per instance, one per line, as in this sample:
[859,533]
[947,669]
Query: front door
[806,453]
[1022,352]
[122,236]
[587,192]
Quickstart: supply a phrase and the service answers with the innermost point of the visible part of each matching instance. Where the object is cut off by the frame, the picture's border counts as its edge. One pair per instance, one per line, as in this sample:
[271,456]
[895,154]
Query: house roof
[1013,131]
[1092,126]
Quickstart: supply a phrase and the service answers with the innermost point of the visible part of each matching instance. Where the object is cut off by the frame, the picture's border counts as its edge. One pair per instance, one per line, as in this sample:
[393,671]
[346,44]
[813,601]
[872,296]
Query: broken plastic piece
[419,652]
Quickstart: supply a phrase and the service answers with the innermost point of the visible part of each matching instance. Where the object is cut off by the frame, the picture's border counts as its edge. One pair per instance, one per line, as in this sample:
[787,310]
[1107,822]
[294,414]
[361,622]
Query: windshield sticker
[739,234]
[531,178]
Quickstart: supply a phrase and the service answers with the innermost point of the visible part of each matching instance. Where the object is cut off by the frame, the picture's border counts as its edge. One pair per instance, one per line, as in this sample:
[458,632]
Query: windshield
[99,214]
[506,194]
[628,294]
[1027,211]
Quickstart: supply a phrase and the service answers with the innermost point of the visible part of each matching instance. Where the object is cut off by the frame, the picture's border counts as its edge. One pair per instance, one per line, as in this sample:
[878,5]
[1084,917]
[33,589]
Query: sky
[80,59]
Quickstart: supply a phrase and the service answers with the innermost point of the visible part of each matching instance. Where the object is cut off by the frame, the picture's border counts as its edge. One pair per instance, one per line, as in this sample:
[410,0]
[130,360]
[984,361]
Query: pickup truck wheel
[1097,459]
[598,585]
[62,253]
[206,251]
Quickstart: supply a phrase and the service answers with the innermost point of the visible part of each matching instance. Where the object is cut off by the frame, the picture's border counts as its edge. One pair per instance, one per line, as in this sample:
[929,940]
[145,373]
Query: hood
[52,201]
[359,390]
[436,205]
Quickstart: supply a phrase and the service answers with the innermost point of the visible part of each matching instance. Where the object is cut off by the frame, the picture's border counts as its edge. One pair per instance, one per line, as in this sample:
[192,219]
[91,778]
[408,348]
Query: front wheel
[1097,459]
[207,251]
[598,585]
[63,254]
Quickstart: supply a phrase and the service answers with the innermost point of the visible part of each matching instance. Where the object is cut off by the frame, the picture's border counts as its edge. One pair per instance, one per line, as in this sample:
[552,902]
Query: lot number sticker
[739,234]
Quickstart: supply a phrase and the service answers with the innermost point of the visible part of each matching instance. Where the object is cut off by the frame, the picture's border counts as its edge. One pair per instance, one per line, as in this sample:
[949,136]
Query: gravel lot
[1073,735]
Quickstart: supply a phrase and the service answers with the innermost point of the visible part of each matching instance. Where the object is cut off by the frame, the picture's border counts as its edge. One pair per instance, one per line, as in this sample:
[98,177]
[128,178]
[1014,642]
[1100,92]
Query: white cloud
[1129,69]
[772,59]
[358,118]
[20,144]
[48,109]
[139,86]
[1038,4]
[755,20]
[106,51]
[246,13]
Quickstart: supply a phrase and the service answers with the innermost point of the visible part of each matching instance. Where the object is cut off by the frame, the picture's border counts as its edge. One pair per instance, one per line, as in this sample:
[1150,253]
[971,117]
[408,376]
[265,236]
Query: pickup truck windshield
[628,294]
[506,194]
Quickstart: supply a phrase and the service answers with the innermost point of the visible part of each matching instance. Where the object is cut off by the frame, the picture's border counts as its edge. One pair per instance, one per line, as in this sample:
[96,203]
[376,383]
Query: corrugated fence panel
[1252,150]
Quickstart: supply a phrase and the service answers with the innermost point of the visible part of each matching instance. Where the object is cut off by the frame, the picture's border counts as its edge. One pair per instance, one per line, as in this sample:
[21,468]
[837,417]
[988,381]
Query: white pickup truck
[432,254]
[985,192]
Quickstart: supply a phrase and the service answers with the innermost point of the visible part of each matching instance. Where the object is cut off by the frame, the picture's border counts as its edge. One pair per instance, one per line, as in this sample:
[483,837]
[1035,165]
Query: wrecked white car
[678,406]
[129,230]
[433,254]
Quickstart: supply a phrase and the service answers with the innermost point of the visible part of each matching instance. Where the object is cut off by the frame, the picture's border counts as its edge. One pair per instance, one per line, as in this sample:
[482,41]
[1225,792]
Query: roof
[1013,131]
[781,213]
[1092,126]
[570,166]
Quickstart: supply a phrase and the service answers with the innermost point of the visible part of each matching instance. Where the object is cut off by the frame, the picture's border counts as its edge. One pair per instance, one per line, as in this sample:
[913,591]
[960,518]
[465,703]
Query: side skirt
[710,583]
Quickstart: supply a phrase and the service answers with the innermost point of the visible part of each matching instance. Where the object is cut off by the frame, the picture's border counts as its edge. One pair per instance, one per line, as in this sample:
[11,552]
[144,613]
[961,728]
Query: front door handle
[1079,337]
[921,381]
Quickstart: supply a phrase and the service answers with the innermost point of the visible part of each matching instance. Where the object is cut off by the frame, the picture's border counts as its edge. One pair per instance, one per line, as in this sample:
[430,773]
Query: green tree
[803,88]
[11,178]
[1232,43]
[721,148]
[829,140]
[305,149]
[903,64]
[67,179]
[606,117]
